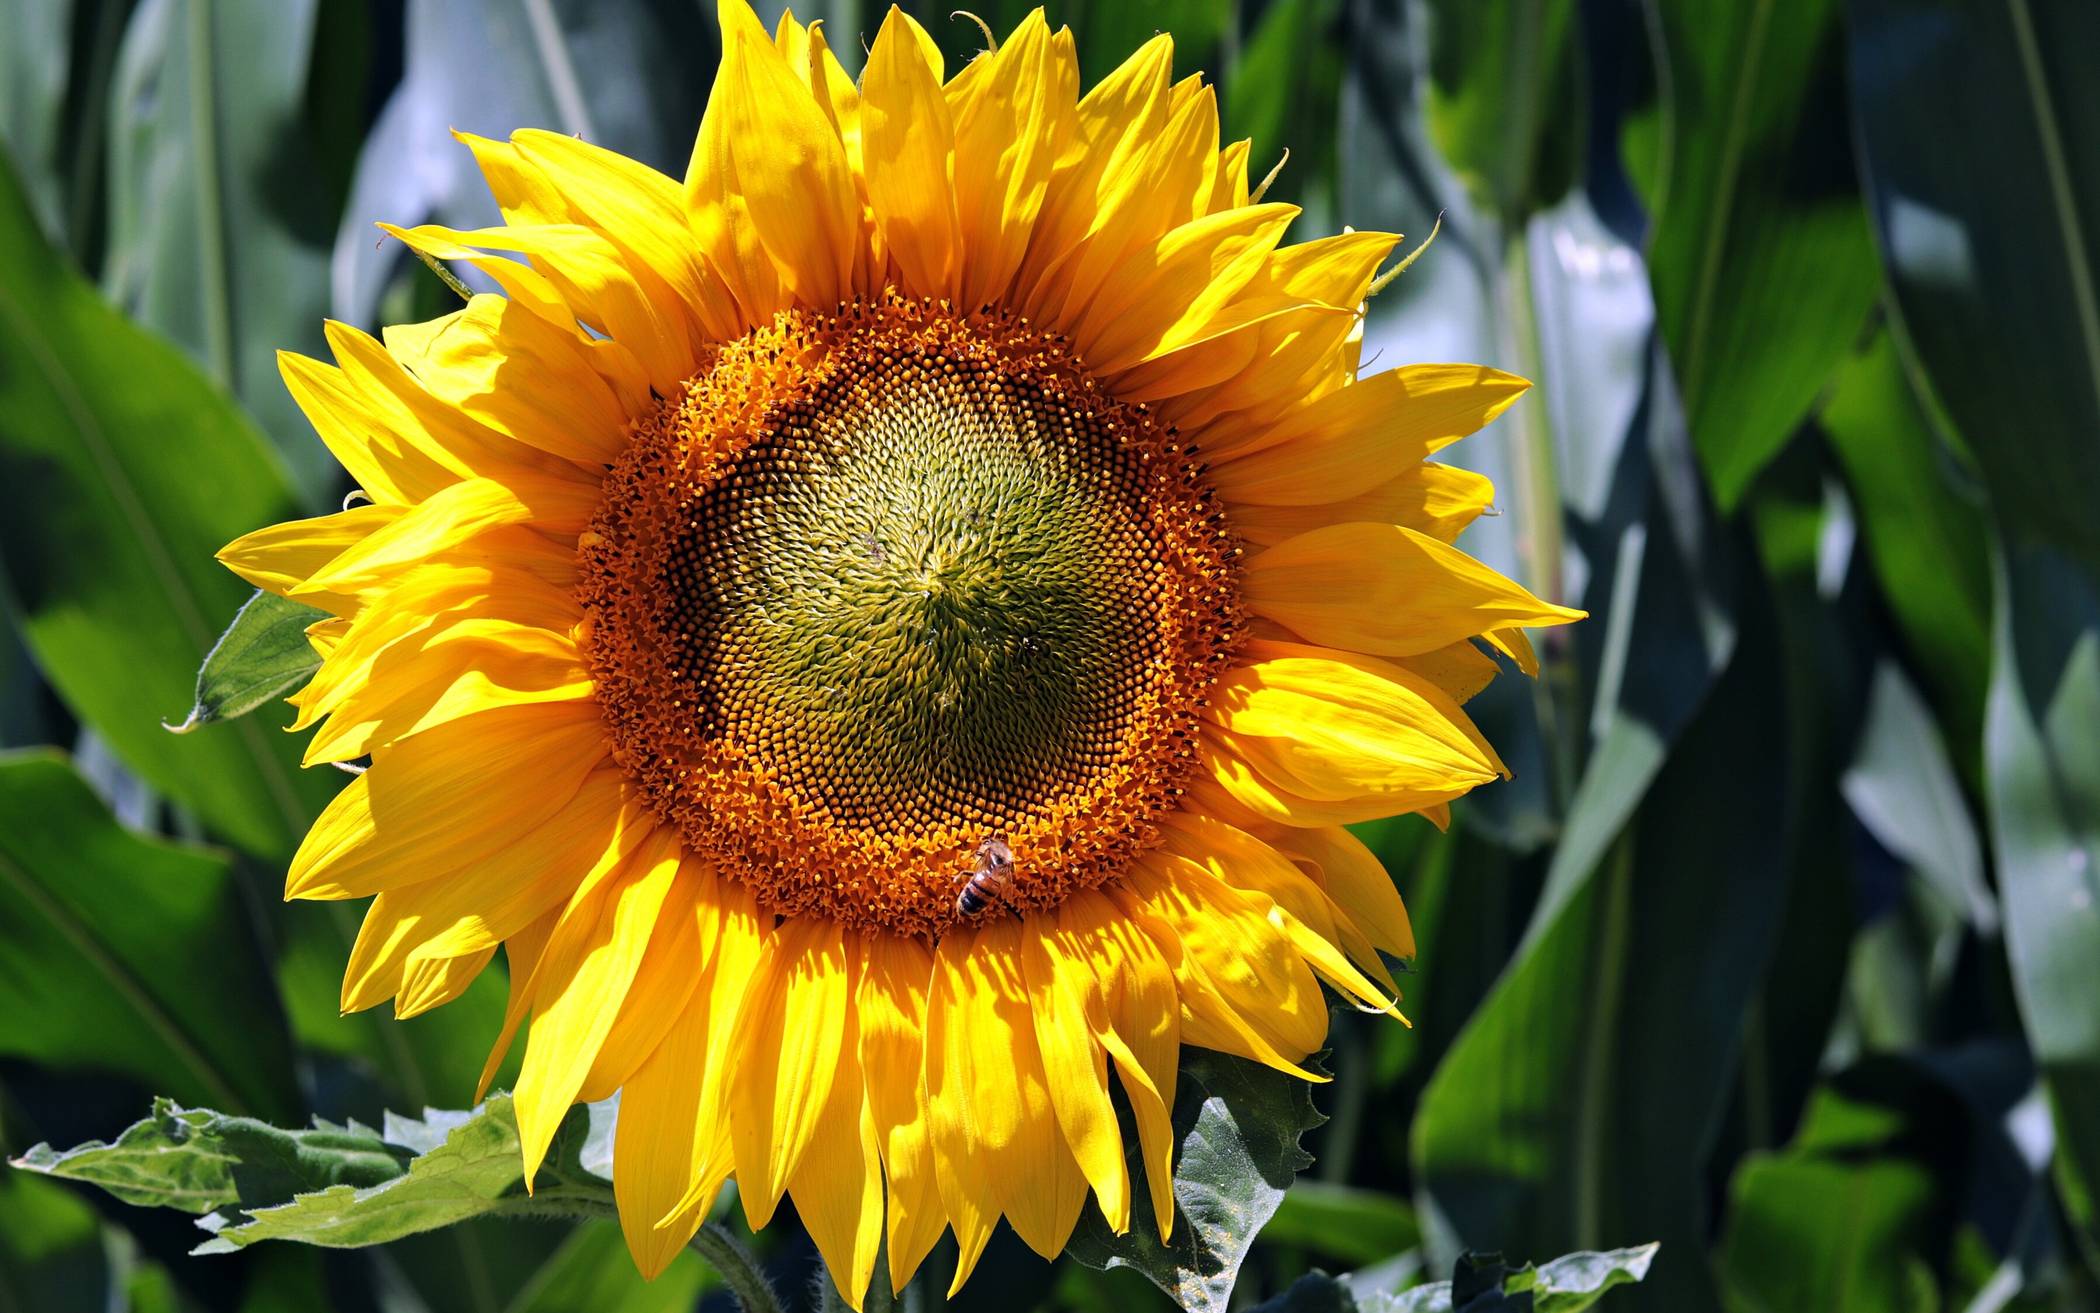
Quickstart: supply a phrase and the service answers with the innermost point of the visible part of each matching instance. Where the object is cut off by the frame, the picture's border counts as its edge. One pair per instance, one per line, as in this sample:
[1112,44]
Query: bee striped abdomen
[986,879]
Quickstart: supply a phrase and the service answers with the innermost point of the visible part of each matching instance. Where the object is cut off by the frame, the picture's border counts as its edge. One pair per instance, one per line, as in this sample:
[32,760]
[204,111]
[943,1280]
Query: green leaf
[593,1270]
[1841,1217]
[468,1165]
[1579,1102]
[1902,787]
[1281,92]
[1979,129]
[1236,1129]
[199,1161]
[1926,536]
[121,473]
[127,954]
[51,1252]
[262,654]
[428,1060]
[1503,107]
[1760,249]
[1575,1281]
[1344,1223]
[221,210]
[1483,1284]
[2042,761]
[343,1186]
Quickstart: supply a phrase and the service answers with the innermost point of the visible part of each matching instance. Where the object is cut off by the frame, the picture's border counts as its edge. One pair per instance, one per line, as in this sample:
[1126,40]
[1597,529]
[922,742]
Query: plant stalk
[738,1267]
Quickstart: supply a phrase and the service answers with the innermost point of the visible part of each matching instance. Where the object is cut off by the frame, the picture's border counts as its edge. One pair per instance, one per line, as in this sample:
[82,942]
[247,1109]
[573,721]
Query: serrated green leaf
[127,954]
[122,470]
[1482,1283]
[262,654]
[468,1165]
[199,1161]
[1573,1282]
[1236,1129]
[343,1186]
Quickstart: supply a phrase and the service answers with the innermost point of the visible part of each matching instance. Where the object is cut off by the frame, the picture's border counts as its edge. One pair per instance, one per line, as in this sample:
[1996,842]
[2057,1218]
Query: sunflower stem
[738,1267]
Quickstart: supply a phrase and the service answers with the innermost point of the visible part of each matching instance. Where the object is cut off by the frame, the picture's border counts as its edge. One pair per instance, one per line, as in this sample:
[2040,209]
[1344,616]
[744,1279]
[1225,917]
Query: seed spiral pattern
[877,583]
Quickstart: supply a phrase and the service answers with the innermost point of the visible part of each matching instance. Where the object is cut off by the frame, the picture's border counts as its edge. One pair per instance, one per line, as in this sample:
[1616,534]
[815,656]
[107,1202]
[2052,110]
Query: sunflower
[948,470]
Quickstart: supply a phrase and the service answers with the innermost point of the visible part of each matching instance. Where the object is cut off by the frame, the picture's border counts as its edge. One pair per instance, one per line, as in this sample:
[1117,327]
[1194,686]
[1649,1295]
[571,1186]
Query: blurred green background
[1781,949]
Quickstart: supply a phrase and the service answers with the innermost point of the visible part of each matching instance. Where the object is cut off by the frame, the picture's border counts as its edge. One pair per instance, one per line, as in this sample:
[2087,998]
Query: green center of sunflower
[930,612]
[881,584]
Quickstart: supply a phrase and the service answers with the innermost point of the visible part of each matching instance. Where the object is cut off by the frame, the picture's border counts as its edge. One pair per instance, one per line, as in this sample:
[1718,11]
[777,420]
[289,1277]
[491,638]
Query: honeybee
[989,877]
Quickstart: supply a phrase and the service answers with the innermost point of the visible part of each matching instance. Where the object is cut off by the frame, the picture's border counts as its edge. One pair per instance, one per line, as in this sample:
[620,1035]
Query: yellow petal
[995,1137]
[837,1188]
[911,158]
[1356,880]
[522,377]
[597,286]
[1143,1037]
[1013,110]
[892,1011]
[667,1172]
[680,952]
[465,910]
[1386,589]
[582,983]
[1173,293]
[1461,669]
[388,469]
[456,445]
[1359,436]
[1439,500]
[1243,988]
[448,518]
[789,1036]
[639,210]
[433,982]
[521,956]
[1068,967]
[398,673]
[1229,190]
[790,166]
[1115,124]
[1510,641]
[1143,194]
[659,1141]
[427,804]
[281,557]
[1362,735]
[1284,896]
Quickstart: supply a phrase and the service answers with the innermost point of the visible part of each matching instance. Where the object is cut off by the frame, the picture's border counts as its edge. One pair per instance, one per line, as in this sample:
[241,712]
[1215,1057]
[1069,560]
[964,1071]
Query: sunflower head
[946,586]
[886,631]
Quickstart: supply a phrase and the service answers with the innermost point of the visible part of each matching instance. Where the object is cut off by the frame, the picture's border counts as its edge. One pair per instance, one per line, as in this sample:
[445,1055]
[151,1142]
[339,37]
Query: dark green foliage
[1782,949]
